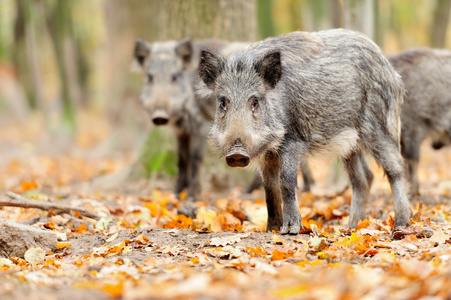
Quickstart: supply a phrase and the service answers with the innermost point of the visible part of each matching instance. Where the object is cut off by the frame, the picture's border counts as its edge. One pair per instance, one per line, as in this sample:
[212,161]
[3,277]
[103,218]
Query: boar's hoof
[403,220]
[237,160]
[160,121]
[292,229]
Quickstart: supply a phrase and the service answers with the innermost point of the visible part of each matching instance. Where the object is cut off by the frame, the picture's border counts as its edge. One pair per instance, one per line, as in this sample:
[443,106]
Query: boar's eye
[254,103]
[149,78]
[222,103]
[175,77]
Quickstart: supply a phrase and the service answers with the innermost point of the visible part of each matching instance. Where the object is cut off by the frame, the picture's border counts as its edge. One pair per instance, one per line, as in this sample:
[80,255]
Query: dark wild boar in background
[168,95]
[427,104]
[288,97]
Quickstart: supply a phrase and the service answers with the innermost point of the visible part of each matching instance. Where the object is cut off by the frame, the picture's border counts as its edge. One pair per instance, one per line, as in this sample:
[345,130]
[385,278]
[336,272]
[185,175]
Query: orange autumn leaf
[279,255]
[194,260]
[255,251]
[49,262]
[115,290]
[81,229]
[28,185]
[141,239]
[116,249]
[417,216]
[363,224]
[61,245]
[232,227]
[180,222]
[183,195]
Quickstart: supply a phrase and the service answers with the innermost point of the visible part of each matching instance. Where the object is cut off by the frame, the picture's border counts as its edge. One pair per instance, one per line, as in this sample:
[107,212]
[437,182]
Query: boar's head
[247,121]
[168,85]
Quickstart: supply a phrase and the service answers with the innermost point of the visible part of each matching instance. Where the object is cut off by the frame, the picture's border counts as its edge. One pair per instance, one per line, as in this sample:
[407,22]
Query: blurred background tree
[62,62]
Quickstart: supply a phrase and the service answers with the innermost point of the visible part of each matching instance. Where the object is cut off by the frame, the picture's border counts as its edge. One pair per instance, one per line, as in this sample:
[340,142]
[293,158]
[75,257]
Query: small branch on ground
[21,201]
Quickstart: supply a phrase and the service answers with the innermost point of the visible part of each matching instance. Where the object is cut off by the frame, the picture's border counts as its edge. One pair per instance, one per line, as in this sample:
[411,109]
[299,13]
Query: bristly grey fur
[337,93]
[427,105]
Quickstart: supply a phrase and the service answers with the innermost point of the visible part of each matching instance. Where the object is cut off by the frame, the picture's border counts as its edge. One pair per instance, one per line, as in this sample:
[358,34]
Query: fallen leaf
[277,240]
[439,237]
[112,238]
[61,245]
[279,255]
[35,256]
[228,240]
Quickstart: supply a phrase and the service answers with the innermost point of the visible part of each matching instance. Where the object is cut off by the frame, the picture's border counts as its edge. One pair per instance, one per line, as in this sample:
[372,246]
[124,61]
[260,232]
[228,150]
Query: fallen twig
[21,201]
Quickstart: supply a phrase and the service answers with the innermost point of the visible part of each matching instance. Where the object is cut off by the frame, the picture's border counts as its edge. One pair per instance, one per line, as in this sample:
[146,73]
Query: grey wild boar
[168,95]
[299,94]
[427,104]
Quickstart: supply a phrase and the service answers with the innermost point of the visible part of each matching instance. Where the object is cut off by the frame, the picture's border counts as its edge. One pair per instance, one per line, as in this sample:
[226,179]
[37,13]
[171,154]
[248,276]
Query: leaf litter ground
[141,249]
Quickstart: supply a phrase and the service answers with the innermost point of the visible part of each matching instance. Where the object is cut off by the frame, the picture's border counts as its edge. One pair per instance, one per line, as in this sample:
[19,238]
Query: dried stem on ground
[21,201]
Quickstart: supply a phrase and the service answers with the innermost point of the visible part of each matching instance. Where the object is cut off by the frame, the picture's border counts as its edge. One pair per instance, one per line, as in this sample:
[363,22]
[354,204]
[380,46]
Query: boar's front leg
[271,182]
[361,178]
[290,160]
[183,143]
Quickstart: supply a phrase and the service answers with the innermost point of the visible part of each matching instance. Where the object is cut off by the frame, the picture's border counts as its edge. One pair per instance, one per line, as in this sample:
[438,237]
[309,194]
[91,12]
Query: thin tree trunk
[35,71]
[264,18]
[337,13]
[440,23]
[59,22]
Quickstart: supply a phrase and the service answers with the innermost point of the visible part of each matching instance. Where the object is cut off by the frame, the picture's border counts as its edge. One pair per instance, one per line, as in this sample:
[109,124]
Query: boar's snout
[160,121]
[237,157]
[160,118]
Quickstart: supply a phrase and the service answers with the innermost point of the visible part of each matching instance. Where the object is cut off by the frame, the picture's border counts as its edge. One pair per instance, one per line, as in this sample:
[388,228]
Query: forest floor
[140,248]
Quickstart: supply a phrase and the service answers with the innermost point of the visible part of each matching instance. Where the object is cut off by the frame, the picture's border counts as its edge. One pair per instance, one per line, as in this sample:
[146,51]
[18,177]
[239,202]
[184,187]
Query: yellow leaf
[277,240]
[290,291]
[35,255]
[112,238]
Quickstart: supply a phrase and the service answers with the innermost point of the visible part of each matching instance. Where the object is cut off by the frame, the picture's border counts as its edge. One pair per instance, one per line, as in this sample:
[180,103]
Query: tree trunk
[233,20]
[337,13]
[440,23]
[265,22]
[59,25]
[359,15]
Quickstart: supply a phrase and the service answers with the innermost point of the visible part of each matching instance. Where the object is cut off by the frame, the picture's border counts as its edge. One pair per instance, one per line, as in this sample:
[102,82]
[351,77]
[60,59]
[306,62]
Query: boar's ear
[142,51]
[269,68]
[184,50]
[210,66]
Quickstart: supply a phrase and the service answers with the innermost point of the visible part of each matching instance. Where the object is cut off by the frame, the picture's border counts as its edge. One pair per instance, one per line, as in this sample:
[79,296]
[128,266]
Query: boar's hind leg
[196,156]
[183,142]
[290,159]
[385,151]
[271,182]
[361,179]
[410,147]
[255,184]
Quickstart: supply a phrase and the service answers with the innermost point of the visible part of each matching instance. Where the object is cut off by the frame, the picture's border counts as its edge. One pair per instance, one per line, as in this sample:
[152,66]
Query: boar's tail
[394,116]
